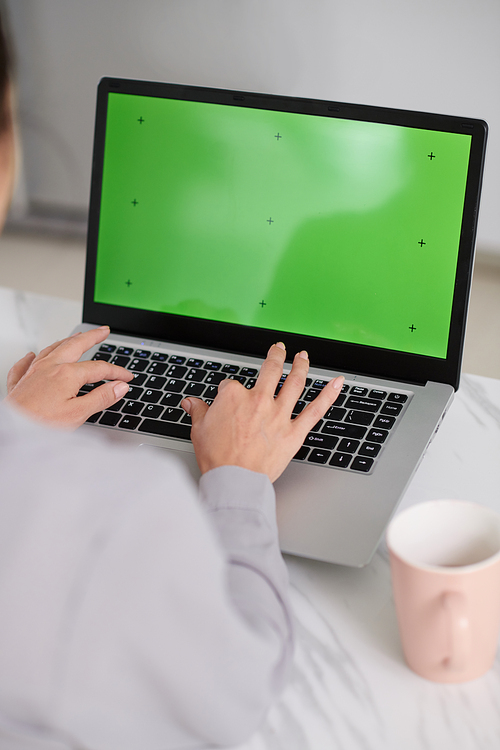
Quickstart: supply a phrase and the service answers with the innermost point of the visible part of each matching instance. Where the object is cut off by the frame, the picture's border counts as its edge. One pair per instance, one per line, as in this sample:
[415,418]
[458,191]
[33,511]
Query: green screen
[321,226]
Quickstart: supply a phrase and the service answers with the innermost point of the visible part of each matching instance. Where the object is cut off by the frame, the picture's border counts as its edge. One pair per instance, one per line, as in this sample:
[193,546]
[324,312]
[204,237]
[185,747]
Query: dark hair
[4,78]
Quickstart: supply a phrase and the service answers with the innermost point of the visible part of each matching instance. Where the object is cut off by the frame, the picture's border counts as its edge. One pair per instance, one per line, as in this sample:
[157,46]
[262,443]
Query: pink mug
[445,564]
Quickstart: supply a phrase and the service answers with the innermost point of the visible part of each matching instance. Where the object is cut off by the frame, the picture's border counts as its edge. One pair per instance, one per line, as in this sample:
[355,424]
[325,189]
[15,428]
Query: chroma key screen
[322,226]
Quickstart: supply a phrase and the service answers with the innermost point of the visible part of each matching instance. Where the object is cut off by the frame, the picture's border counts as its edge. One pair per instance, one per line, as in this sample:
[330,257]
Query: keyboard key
[175,386]
[125,350]
[133,407]
[91,386]
[94,417]
[151,396]
[385,422]
[213,365]
[110,418]
[118,405]
[377,436]
[195,363]
[156,381]
[400,398]
[232,369]
[341,460]
[172,415]
[362,464]
[159,357]
[315,440]
[343,430]
[356,390]
[134,393]
[319,384]
[375,393]
[176,371]
[250,383]
[139,378]
[336,413]
[347,445]
[249,372]
[175,359]
[186,419]
[391,408]
[101,356]
[311,394]
[340,399]
[302,453]
[157,368]
[239,378]
[152,410]
[120,361]
[142,353]
[137,365]
[129,423]
[370,449]
[194,389]
[196,374]
[359,417]
[210,392]
[319,456]
[365,404]
[107,348]
[171,399]
[166,429]
[299,406]
[215,378]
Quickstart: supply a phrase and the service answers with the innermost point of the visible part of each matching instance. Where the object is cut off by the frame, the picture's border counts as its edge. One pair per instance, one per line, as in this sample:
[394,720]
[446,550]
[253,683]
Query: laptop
[223,221]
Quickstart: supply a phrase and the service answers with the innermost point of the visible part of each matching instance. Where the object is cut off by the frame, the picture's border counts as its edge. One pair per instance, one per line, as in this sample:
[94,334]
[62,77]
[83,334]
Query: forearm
[241,505]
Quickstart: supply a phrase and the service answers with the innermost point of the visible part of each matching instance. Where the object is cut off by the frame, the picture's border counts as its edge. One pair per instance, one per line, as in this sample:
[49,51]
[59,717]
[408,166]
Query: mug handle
[458,629]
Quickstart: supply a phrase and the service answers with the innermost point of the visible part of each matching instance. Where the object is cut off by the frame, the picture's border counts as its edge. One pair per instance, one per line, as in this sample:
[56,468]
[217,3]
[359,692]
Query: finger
[72,348]
[91,371]
[272,368]
[295,381]
[196,408]
[318,408]
[99,399]
[17,371]
[51,347]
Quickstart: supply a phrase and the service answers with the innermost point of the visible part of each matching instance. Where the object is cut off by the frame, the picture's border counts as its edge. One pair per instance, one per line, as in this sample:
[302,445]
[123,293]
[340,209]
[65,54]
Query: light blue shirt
[136,611]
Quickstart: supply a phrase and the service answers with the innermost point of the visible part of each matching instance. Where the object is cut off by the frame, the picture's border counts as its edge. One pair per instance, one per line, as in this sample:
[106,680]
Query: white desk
[351,689]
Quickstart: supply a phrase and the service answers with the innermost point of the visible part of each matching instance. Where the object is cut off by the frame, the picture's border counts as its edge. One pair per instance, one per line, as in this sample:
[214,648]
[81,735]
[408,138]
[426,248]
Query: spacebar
[167,429]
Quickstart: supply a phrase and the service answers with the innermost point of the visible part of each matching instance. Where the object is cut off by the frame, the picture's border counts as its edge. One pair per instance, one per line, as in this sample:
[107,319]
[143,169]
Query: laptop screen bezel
[228,337]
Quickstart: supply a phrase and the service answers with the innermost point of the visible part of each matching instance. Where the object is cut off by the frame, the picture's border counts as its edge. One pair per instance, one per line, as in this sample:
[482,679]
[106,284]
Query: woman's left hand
[46,386]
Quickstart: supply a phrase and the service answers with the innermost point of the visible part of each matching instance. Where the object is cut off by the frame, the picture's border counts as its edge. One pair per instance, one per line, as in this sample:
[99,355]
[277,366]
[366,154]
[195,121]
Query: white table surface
[350,688]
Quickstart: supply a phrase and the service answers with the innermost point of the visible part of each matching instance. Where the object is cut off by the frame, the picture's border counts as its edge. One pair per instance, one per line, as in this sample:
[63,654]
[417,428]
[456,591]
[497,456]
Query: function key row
[140,359]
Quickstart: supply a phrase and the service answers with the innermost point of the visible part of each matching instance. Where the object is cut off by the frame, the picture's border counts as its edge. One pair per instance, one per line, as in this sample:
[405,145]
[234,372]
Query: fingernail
[101,328]
[304,354]
[186,405]
[338,382]
[120,389]
[281,345]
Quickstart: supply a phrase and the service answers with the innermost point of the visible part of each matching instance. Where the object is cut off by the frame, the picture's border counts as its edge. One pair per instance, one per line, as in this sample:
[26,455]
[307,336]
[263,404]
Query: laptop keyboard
[351,435]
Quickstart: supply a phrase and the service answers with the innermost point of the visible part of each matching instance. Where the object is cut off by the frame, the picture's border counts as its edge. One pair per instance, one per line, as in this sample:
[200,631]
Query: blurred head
[6,129]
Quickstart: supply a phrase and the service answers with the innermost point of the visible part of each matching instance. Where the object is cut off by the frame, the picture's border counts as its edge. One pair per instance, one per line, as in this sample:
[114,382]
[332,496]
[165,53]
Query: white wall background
[434,55]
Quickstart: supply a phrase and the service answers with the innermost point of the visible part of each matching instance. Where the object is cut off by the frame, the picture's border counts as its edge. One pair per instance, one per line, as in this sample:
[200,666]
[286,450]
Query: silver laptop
[223,221]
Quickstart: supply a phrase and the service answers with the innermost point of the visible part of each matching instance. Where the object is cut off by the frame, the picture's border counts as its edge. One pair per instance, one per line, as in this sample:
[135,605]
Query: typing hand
[45,387]
[251,428]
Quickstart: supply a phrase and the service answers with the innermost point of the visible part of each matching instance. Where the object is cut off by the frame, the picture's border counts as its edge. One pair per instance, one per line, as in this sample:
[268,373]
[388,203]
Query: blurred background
[434,55]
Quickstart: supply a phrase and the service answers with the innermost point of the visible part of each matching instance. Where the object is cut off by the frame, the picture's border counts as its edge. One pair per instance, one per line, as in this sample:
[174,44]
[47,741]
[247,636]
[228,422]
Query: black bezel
[336,355]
